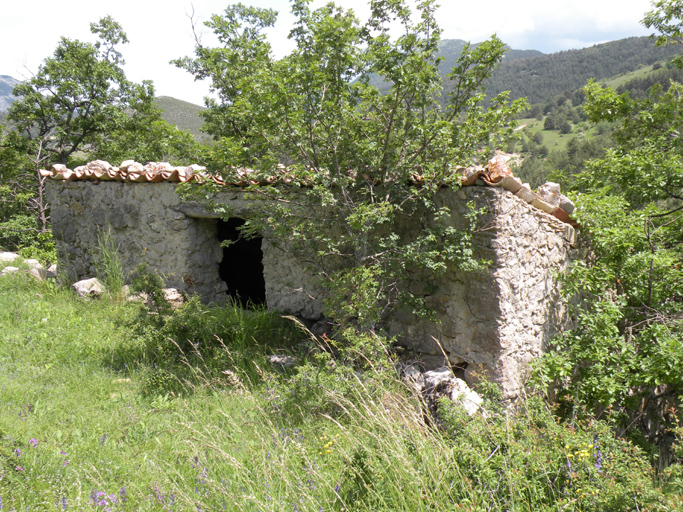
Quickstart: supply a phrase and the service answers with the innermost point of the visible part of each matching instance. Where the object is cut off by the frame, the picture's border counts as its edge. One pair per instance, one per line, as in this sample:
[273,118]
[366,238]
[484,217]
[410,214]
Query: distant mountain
[540,77]
[449,51]
[7,84]
[527,73]
[537,76]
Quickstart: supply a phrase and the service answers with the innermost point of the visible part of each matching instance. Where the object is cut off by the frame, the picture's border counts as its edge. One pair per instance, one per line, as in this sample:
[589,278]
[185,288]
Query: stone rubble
[442,382]
[173,297]
[35,268]
[8,257]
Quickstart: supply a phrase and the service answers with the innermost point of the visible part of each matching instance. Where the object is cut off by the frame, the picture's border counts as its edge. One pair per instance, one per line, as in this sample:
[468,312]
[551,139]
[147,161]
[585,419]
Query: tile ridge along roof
[495,174]
[154,172]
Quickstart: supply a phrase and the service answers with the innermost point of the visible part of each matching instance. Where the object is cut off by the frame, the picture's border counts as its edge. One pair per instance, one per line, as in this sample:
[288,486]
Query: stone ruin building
[492,323]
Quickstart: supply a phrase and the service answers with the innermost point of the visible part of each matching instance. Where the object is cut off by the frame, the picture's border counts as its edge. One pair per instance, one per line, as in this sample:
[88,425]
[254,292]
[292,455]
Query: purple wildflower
[33,442]
[17,452]
[19,468]
[597,454]
[103,439]
[64,503]
[160,496]
[122,494]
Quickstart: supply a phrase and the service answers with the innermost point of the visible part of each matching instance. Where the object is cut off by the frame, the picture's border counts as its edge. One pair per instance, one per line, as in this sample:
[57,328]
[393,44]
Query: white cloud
[159,32]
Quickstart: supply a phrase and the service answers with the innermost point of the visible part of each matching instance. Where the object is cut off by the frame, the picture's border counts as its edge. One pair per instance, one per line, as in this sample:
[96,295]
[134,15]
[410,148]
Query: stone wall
[494,322]
[497,321]
[151,224]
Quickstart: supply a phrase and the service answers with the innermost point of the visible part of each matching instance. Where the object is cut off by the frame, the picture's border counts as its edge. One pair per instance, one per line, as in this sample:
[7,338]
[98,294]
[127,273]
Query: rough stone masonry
[492,323]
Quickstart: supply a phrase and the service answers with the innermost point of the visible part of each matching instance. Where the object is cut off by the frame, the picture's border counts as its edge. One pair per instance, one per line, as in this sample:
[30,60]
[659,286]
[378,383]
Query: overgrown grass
[106,407]
[108,265]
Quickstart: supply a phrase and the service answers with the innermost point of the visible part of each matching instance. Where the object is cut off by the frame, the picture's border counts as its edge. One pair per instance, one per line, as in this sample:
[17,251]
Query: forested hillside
[537,78]
[7,83]
[184,115]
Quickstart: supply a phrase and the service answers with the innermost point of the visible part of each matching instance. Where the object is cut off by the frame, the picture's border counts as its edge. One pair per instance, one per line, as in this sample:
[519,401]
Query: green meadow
[107,404]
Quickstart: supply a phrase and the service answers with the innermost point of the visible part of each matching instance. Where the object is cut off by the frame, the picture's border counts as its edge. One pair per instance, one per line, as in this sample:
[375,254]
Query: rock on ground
[281,362]
[8,257]
[435,384]
[88,287]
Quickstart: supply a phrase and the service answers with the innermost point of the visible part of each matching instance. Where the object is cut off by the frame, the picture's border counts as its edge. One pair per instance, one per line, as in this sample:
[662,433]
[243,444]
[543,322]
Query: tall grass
[105,407]
[108,265]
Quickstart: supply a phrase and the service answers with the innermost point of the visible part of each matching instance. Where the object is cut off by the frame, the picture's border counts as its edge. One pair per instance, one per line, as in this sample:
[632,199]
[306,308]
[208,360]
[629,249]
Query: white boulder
[88,288]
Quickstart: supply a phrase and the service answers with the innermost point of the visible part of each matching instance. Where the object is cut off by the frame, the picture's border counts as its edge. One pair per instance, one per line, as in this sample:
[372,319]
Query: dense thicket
[624,356]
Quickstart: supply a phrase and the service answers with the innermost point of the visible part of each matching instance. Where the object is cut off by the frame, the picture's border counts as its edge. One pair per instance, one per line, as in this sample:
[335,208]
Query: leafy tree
[627,349]
[564,127]
[80,97]
[667,19]
[78,106]
[360,152]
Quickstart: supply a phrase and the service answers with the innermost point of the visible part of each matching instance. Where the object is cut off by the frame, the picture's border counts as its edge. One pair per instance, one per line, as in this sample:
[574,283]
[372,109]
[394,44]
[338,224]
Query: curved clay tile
[497,169]
[170,175]
[152,173]
[113,173]
[497,173]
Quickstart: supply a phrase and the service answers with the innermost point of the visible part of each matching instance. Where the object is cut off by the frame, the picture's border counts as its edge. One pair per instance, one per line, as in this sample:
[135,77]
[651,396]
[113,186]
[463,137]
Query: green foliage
[21,235]
[108,266]
[536,461]
[81,100]
[80,96]
[23,217]
[77,107]
[93,410]
[356,149]
[622,354]
[150,284]
[667,19]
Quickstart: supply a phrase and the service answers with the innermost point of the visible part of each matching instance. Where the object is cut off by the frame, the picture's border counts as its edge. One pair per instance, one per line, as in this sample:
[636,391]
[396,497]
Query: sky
[160,30]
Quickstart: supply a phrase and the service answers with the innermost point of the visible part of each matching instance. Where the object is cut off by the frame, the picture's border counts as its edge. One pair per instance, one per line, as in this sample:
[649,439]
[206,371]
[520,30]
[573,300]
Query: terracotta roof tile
[495,174]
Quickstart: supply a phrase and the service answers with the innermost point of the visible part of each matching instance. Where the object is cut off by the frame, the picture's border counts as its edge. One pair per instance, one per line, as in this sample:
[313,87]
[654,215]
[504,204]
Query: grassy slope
[554,140]
[99,412]
[184,115]
[623,78]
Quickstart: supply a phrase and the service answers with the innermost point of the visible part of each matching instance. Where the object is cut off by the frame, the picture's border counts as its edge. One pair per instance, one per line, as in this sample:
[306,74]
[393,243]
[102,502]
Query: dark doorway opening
[242,264]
